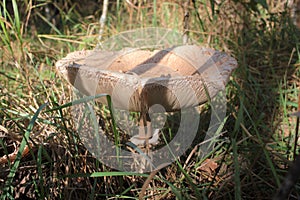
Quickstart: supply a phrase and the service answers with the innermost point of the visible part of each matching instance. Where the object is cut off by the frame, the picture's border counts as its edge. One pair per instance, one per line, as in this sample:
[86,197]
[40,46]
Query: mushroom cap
[176,78]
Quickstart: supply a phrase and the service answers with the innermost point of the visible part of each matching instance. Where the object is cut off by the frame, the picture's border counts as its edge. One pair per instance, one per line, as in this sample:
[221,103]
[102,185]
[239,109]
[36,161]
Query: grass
[251,157]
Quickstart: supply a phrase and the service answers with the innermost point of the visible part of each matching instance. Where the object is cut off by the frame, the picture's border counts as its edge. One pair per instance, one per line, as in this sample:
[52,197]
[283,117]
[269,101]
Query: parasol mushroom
[175,78]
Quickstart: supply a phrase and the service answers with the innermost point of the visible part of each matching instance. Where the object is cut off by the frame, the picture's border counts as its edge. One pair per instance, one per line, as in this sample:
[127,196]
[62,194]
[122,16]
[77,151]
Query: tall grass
[258,139]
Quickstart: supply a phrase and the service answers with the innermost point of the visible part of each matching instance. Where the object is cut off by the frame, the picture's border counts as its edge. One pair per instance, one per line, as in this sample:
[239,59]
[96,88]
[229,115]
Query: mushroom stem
[146,134]
[145,131]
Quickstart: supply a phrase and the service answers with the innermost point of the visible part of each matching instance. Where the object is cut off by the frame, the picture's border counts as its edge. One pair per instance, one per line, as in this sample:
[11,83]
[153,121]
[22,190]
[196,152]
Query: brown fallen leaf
[209,166]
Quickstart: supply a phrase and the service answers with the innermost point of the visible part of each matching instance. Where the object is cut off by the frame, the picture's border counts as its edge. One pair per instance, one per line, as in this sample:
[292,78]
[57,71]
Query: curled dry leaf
[209,166]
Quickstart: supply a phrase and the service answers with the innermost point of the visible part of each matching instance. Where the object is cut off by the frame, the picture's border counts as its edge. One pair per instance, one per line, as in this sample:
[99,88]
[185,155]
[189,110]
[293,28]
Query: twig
[148,180]
[289,181]
[102,20]
[297,127]
[146,184]
[186,22]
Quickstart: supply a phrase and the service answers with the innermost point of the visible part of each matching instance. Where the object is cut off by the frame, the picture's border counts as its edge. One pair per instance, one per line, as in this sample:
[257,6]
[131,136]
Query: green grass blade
[77,101]
[13,170]
[41,191]
[49,23]
[237,181]
[103,174]
[17,19]
[186,175]
[5,37]
[114,126]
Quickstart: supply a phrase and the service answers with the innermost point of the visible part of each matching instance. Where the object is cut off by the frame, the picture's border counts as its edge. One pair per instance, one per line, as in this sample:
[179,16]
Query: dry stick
[148,180]
[186,22]
[146,184]
[297,127]
[102,20]
[289,181]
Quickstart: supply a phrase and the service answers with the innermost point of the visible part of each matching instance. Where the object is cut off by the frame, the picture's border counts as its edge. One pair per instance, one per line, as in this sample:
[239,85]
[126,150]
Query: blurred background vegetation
[259,141]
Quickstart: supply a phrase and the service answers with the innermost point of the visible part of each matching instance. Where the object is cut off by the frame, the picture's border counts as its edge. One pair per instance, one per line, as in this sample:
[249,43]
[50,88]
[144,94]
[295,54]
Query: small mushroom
[175,78]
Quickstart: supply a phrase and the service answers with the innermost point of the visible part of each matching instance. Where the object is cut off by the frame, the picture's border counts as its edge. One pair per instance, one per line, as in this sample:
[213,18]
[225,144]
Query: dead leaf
[209,166]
